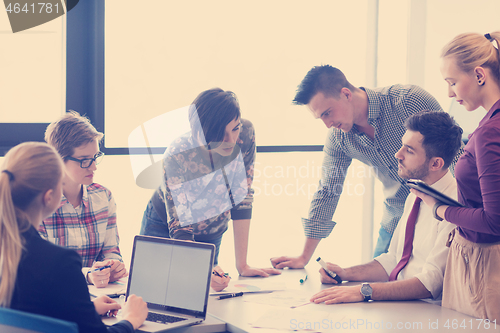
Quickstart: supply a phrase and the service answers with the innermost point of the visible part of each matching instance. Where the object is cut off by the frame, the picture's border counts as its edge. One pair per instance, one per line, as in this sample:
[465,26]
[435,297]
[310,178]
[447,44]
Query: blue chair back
[15,321]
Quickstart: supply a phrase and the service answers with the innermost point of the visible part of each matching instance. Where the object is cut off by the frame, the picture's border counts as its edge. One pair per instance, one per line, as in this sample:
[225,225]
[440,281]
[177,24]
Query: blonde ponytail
[472,50]
[10,242]
[29,169]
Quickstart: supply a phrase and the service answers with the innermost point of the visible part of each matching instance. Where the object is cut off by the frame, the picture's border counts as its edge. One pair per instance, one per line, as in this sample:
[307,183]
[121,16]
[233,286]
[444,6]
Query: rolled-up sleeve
[319,223]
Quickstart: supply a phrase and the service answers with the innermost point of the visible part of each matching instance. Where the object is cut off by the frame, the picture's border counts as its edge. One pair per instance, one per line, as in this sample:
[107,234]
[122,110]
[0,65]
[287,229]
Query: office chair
[15,321]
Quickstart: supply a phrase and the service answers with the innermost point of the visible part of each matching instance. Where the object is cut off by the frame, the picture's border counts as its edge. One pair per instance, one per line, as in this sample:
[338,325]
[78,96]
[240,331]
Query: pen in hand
[333,275]
[219,275]
[99,269]
[231,295]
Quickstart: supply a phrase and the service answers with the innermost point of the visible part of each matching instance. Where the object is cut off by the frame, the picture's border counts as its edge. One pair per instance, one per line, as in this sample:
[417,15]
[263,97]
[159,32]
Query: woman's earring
[480,82]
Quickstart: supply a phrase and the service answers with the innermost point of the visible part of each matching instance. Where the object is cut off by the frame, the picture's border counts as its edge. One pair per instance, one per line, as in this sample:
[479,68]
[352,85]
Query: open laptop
[173,278]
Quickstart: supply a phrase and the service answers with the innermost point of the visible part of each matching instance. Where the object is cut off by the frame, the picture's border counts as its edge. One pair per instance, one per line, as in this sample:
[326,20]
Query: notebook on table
[173,278]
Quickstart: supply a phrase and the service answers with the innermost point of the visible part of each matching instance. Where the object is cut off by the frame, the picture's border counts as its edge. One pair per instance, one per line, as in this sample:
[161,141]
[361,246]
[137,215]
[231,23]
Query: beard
[419,172]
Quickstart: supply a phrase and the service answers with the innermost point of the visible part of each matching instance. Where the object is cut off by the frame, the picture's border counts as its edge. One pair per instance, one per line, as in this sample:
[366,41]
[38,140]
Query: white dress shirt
[429,254]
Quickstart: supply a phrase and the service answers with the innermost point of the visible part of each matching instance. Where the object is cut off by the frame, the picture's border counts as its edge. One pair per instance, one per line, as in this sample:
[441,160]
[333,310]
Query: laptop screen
[170,274]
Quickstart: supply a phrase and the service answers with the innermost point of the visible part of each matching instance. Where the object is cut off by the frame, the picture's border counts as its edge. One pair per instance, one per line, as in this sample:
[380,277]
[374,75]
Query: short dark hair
[215,109]
[442,135]
[326,79]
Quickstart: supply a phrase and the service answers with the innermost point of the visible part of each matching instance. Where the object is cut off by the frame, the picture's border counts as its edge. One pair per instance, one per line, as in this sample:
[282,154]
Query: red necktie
[408,247]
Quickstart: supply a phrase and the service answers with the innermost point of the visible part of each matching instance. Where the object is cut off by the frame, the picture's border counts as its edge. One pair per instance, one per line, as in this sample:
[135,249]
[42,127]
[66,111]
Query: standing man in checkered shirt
[367,125]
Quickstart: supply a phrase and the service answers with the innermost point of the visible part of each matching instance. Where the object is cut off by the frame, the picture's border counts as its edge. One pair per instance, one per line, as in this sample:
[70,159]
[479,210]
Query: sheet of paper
[284,298]
[250,286]
[298,320]
[113,288]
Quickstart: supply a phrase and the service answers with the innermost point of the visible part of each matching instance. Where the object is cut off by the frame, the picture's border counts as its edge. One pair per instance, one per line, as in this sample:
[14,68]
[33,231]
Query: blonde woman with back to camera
[35,275]
[471,67]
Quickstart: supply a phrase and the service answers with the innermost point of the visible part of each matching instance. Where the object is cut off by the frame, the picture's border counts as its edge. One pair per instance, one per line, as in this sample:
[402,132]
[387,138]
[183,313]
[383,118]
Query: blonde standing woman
[471,67]
[35,275]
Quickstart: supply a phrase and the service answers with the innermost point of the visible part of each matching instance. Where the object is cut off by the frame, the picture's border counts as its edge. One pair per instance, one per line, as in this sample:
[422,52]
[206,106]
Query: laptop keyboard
[161,318]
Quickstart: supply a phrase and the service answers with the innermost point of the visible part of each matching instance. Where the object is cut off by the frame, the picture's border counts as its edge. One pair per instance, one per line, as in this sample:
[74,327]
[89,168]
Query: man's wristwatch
[366,291]
[434,210]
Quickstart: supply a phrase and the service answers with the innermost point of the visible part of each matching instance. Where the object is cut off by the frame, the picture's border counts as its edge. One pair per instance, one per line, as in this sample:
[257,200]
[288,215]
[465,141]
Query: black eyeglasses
[87,162]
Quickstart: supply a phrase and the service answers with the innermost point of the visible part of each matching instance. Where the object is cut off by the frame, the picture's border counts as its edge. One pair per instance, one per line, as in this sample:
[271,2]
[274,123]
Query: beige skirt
[472,278]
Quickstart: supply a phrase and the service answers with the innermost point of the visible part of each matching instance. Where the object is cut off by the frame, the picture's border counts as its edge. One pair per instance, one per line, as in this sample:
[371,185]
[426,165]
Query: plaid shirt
[388,108]
[91,231]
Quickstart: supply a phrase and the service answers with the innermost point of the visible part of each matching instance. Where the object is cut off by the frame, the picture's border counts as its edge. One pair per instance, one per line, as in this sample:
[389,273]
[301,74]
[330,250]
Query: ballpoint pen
[219,275]
[99,269]
[231,295]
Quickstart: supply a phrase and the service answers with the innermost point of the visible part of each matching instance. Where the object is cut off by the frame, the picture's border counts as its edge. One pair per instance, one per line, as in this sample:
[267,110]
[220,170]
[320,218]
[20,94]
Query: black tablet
[417,184]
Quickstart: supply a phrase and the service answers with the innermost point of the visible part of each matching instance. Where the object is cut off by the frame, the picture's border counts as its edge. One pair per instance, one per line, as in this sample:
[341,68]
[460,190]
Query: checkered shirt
[91,231]
[388,108]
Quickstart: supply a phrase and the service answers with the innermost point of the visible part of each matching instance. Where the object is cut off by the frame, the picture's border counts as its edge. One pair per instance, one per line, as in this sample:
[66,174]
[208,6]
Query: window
[33,83]
[260,50]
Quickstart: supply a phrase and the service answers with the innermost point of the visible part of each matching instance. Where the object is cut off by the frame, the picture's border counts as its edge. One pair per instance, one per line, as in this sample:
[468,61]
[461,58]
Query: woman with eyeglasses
[86,218]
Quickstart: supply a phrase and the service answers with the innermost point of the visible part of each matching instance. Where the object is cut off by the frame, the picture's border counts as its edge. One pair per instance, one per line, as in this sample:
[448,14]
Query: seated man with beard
[415,264]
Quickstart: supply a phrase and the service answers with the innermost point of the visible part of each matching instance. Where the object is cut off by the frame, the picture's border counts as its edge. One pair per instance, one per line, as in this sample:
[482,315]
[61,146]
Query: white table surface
[377,316]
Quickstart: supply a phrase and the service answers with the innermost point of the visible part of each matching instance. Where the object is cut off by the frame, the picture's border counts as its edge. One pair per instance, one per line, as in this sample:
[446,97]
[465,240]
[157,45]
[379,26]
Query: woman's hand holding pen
[100,273]
[118,270]
[220,280]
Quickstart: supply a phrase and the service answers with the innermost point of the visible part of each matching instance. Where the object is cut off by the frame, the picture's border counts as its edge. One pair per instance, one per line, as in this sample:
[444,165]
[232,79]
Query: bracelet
[434,211]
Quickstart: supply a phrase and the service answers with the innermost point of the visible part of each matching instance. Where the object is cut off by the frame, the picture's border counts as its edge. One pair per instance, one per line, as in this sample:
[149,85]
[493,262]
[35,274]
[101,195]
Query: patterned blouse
[202,192]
